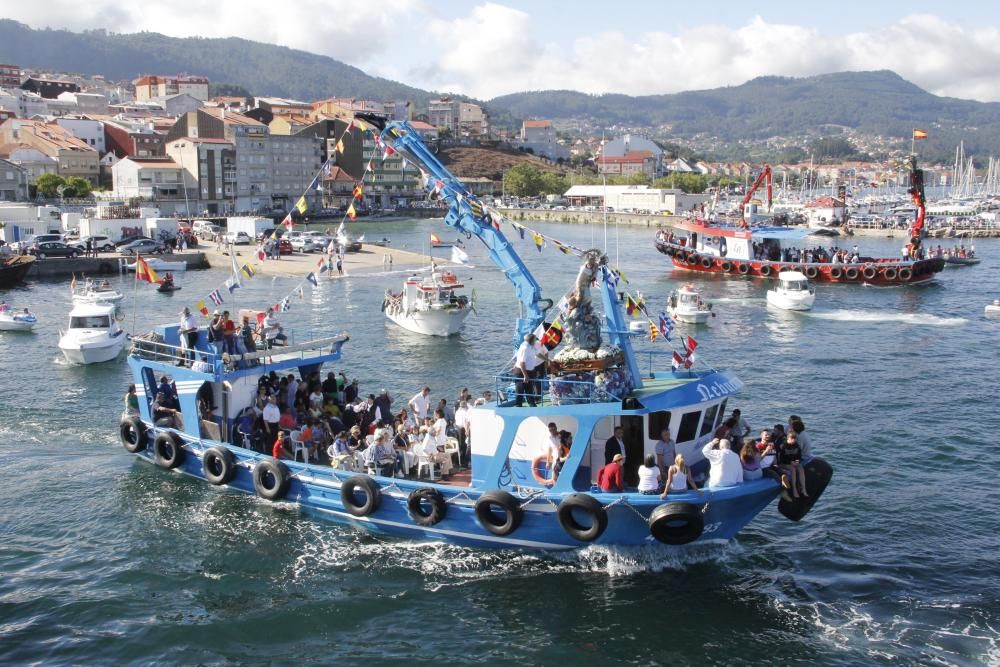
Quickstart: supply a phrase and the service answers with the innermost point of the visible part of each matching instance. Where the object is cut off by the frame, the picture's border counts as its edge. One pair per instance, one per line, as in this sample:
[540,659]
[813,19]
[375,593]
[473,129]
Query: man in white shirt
[726,469]
[271,415]
[187,330]
[462,426]
[525,365]
[420,404]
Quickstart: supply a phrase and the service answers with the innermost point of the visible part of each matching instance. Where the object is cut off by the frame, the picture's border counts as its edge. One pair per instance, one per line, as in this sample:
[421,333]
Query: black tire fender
[851,273]
[132,434]
[706,263]
[905,274]
[507,504]
[271,479]
[727,267]
[869,273]
[676,523]
[586,504]
[889,273]
[811,272]
[743,269]
[219,465]
[429,498]
[168,450]
[765,270]
[835,273]
[372,495]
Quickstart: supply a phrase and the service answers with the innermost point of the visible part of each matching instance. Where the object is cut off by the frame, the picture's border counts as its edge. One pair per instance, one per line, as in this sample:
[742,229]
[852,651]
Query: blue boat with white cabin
[510,499]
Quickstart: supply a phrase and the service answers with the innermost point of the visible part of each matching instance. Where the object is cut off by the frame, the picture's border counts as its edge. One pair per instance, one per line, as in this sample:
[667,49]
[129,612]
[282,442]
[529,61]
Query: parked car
[284,247]
[102,243]
[144,247]
[304,243]
[132,239]
[237,238]
[54,249]
[208,232]
[43,238]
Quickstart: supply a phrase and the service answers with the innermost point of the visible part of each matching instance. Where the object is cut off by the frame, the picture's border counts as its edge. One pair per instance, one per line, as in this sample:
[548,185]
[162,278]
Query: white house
[149,178]
[87,130]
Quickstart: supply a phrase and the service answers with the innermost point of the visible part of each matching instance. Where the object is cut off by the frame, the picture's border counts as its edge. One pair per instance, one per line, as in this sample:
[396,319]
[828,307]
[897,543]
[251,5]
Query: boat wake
[620,561]
[876,317]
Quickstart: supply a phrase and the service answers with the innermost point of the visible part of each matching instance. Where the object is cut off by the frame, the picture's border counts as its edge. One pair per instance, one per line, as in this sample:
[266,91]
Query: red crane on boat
[764,174]
[920,201]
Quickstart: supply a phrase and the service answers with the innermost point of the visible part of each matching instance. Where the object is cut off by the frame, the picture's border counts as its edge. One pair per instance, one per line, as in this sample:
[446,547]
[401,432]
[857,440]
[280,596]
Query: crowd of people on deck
[733,455]
[225,336]
[329,421]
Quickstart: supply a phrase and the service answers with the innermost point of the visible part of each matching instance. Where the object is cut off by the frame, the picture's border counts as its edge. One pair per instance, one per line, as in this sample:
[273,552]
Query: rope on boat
[622,500]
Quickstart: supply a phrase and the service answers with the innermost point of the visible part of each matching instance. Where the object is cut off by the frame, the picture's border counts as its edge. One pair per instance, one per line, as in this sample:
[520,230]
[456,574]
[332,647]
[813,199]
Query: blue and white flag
[666,325]
[215,296]
[232,285]
[285,306]
[312,278]
[459,256]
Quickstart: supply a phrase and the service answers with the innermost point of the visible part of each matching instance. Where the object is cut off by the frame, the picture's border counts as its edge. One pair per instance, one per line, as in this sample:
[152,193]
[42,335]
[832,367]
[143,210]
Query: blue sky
[487,49]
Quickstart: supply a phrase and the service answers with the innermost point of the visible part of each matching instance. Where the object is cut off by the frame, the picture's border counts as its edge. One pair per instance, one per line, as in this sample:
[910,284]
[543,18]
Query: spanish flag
[919,134]
[351,213]
[302,205]
[143,272]
[358,190]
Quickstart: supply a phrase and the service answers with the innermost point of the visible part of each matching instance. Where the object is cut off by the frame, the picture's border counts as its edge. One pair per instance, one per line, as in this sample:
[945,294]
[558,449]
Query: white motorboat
[993,309]
[96,291]
[158,264]
[686,305]
[429,306]
[793,292]
[93,335]
[17,320]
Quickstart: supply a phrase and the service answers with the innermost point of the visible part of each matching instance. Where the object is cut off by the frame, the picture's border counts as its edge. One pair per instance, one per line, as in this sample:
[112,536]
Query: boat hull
[787,302]
[317,488]
[161,265]
[992,311]
[432,322]
[880,271]
[691,316]
[9,324]
[14,270]
[90,352]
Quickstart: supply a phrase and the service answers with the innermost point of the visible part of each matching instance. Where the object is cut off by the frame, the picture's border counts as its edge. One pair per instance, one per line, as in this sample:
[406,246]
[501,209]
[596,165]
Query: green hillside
[263,69]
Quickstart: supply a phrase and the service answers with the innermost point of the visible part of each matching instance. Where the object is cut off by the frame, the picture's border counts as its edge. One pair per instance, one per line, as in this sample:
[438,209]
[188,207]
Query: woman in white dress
[435,441]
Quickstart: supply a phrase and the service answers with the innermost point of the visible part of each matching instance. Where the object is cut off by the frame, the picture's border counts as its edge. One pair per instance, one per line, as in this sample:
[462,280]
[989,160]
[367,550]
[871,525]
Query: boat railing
[151,347]
[553,390]
[656,360]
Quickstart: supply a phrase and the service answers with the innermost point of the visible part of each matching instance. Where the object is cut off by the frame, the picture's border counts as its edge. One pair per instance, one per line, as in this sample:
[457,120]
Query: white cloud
[493,52]
[495,49]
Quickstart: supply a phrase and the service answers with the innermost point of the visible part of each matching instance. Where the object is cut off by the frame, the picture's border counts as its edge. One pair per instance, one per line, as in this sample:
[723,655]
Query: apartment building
[209,170]
[132,138]
[13,181]
[10,76]
[152,86]
[462,119]
[73,156]
[153,179]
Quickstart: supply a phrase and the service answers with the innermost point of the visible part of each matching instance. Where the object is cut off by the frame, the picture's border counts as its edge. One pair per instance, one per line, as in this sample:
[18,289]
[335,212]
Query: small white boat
[93,335]
[686,305]
[97,291]
[792,292]
[638,326]
[158,264]
[429,306]
[993,309]
[17,320]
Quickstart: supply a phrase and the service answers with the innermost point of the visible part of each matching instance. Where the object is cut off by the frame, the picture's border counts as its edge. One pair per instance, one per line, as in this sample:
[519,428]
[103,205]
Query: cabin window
[658,421]
[709,422]
[688,429]
[90,322]
[722,413]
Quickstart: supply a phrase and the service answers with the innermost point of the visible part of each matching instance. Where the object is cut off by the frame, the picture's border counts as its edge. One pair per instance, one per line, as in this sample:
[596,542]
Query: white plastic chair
[299,445]
[425,463]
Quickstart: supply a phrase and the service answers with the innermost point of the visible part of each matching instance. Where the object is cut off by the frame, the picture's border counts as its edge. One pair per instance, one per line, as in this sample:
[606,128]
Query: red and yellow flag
[435,239]
[143,272]
[358,190]
[919,134]
[351,213]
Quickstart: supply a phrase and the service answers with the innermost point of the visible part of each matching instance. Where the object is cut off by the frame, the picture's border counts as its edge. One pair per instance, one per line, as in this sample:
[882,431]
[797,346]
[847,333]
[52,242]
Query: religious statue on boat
[586,368]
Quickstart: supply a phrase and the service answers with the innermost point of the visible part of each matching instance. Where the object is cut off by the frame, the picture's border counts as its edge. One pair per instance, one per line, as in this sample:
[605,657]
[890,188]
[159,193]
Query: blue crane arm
[467,214]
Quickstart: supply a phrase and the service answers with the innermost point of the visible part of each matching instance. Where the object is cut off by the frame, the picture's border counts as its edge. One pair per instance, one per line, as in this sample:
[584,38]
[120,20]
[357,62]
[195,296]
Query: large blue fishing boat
[512,499]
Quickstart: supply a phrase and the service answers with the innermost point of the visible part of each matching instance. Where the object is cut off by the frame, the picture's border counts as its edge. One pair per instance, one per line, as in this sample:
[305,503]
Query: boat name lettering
[716,390]
[712,527]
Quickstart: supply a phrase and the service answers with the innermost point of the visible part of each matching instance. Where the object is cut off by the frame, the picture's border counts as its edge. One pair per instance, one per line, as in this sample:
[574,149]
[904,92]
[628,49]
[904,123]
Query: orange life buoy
[541,463]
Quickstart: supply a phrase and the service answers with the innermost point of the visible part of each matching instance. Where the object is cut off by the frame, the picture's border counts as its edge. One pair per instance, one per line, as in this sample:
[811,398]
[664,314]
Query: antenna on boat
[604,175]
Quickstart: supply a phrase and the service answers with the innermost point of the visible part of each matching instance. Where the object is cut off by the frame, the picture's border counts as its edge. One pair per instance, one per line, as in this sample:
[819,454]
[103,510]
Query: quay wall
[105,265]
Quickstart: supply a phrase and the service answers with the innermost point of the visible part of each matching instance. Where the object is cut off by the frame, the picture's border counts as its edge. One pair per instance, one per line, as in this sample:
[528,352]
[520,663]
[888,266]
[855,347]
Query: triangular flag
[351,213]
[358,190]
[202,308]
[287,222]
[435,239]
[312,278]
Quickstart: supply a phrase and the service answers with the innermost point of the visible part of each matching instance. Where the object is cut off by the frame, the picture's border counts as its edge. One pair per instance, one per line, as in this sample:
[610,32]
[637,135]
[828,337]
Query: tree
[77,186]
[554,184]
[49,184]
[523,180]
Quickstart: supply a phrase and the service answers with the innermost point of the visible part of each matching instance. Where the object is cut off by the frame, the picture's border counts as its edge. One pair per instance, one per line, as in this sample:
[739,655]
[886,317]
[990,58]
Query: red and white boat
[756,251]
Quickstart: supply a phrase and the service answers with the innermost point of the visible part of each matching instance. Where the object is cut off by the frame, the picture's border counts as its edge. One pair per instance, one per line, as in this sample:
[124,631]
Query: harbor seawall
[104,265]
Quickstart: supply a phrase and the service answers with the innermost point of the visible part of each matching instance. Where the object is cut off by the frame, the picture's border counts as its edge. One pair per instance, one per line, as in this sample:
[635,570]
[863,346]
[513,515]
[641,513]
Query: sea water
[108,560]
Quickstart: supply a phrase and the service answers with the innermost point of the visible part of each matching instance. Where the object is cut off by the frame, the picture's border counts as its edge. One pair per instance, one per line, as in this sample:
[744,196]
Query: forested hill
[879,102]
[262,69]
